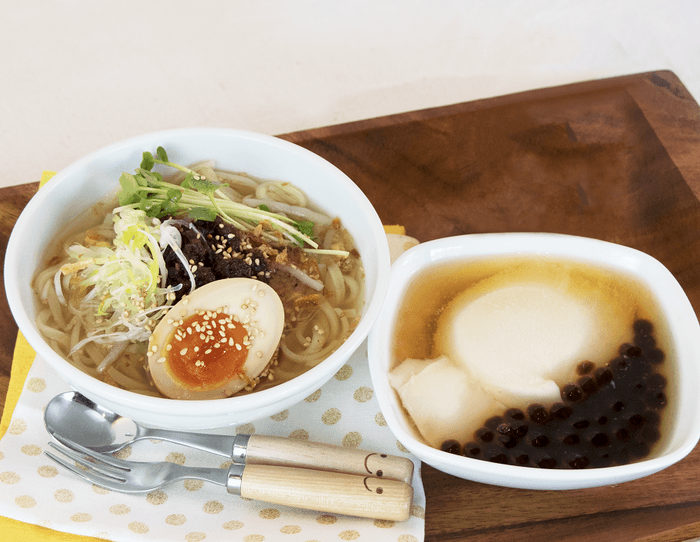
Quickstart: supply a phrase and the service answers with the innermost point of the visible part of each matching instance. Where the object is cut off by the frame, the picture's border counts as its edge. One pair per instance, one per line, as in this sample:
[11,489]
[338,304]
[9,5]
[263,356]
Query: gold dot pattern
[281,416]
[17,427]
[344,373]
[301,434]
[213,507]
[176,519]
[47,471]
[31,449]
[269,513]
[193,485]
[157,497]
[119,509]
[100,490]
[331,416]
[138,527]
[64,495]
[37,385]
[124,453]
[245,429]
[315,396]
[343,412]
[363,394]
[9,477]
[25,501]
[352,440]
[176,457]
[418,511]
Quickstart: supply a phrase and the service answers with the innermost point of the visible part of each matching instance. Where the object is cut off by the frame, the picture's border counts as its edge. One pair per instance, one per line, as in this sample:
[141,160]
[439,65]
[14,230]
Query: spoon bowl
[74,416]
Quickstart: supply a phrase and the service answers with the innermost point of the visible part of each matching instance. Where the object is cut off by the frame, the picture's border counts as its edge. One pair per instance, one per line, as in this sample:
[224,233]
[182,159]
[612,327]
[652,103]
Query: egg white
[253,303]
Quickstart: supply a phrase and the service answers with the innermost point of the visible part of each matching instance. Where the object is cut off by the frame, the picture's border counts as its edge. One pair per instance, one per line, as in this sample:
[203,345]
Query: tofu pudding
[532,361]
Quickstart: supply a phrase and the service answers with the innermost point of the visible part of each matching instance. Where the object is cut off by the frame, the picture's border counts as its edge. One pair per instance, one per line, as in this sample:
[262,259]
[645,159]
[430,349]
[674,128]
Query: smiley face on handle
[373,470]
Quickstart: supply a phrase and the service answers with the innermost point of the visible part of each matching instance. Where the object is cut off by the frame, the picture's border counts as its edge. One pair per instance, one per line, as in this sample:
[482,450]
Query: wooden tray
[616,159]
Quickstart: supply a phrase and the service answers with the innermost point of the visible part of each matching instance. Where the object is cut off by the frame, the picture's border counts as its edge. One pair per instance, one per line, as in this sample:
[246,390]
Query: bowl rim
[586,249]
[195,408]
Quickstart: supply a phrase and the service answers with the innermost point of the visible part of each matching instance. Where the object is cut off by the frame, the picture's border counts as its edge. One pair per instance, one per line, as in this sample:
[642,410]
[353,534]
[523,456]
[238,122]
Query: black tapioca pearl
[588,385]
[547,463]
[572,440]
[656,400]
[628,351]
[585,367]
[514,414]
[603,375]
[495,455]
[504,428]
[623,435]
[602,420]
[618,406]
[655,356]
[471,449]
[507,441]
[540,441]
[651,417]
[636,421]
[580,462]
[655,382]
[483,435]
[572,393]
[493,422]
[599,440]
[521,459]
[451,446]
[638,450]
[520,429]
[538,413]
[651,434]
[560,411]
[643,327]
[581,424]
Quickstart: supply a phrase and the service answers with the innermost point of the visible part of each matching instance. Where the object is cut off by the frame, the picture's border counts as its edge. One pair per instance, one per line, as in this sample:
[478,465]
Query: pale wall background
[76,75]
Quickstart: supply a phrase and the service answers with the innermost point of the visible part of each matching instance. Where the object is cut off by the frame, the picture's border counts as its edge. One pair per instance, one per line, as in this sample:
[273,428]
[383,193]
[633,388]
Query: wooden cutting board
[615,159]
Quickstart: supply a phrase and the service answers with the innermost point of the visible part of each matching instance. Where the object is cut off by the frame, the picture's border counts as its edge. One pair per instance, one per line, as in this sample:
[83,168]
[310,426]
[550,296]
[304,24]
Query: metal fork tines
[130,476]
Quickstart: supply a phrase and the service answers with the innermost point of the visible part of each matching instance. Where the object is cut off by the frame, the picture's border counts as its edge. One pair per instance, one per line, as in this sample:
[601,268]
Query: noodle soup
[112,282]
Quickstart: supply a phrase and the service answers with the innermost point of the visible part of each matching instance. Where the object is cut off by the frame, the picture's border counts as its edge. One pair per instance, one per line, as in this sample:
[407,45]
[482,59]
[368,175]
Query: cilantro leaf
[306,227]
[202,213]
[147,162]
[160,151]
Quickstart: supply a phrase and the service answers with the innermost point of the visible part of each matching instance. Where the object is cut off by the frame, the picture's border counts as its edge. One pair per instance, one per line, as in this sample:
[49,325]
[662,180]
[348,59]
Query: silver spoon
[73,416]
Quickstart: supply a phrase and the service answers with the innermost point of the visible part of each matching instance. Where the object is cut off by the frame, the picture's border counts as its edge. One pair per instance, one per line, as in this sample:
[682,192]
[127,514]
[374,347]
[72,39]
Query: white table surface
[76,75]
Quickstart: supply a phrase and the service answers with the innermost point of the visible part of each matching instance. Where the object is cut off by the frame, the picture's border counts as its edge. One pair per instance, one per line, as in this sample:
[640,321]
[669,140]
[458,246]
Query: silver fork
[340,493]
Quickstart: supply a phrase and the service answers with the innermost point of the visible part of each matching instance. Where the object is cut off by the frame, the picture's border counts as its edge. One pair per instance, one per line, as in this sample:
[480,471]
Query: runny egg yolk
[207,349]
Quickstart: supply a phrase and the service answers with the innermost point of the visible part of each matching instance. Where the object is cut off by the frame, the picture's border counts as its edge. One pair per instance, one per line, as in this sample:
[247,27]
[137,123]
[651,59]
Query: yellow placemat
[33,383]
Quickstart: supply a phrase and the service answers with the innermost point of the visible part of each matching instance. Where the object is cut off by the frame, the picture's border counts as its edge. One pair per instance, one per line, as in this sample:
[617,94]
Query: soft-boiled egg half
[216,340]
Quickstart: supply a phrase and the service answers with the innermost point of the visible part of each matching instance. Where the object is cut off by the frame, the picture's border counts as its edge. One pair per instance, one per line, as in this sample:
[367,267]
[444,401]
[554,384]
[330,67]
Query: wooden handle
[338,493]
[288,452]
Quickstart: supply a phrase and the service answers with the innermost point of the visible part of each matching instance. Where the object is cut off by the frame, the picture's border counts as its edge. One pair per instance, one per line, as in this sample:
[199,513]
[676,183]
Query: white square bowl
[684,427]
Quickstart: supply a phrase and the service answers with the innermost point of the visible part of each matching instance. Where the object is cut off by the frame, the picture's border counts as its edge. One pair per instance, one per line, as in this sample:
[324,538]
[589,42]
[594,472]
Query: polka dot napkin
[343,412]
[42,501]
